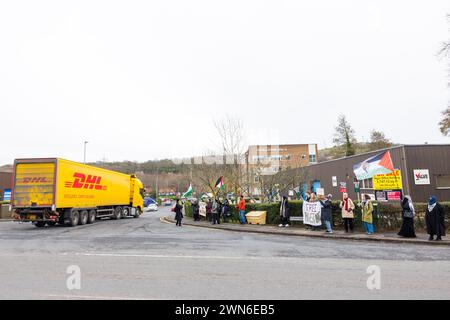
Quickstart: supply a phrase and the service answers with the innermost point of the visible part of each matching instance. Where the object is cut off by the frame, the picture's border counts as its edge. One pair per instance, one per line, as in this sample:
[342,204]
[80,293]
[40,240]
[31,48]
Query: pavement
[297,230]
[147,258]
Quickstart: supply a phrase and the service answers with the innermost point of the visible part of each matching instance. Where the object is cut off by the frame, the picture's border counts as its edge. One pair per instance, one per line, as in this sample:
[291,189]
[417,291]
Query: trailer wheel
[125,212]
[74,218]
[117,213]
[83,217]
[137,214]
[91,217]
[40,224]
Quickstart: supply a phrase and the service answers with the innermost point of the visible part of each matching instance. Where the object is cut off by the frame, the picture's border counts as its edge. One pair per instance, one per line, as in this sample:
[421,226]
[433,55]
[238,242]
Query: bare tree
[378,140]
[444,52]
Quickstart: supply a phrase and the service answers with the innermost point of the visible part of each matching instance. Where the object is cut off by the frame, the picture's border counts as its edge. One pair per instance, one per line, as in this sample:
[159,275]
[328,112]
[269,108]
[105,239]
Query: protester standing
[216,211]
[408,213]
[367,214]
[313,198]
[178,211]
[241,208]
[209,206]
[226,210]
[284,213]
[196,210]
[434,218]
[327,213]
[347,207]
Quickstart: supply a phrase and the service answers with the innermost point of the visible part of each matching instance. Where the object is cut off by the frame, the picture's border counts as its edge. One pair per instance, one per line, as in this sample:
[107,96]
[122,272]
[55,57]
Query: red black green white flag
[219,183]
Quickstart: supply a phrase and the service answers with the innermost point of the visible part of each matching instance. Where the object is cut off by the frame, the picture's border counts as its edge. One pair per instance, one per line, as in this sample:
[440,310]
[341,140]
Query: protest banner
[312,213]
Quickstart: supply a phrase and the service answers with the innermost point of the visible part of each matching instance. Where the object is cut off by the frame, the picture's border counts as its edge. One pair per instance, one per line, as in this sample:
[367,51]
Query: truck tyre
[74,218]
[137,214]
[125,212]
[40,224]
[91,217]
[84,216]
[117,213]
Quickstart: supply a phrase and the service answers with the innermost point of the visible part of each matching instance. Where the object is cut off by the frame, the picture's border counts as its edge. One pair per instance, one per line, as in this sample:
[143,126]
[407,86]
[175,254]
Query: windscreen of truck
[34,185]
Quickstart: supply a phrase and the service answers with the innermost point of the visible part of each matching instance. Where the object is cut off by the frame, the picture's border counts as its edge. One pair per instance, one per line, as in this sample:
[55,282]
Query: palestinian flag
[188,193]
[379,164]
[219,183]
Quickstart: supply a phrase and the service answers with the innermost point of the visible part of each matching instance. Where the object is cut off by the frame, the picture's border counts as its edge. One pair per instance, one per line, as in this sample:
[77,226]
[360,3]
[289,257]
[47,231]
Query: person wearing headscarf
[434,219]
[178,211]
[367,214]
[408,213]
[348,216]
[284,213]
[327,213]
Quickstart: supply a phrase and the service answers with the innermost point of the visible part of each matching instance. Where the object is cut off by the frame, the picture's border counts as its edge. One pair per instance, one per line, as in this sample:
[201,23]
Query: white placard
[422,177]
[320,191]
[334,181]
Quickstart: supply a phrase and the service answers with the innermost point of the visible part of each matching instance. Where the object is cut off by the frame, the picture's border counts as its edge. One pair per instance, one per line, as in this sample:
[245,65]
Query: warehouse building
[423,170]
[5,183]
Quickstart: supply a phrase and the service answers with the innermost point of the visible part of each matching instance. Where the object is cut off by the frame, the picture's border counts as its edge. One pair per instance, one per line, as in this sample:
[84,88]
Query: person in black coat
[196,211]
[408,212]
[284,213]
[434,218]
[178,212]
[209,206]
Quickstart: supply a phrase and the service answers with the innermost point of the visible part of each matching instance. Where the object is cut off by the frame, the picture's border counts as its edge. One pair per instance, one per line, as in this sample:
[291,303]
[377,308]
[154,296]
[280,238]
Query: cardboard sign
[389,181]
[343,187]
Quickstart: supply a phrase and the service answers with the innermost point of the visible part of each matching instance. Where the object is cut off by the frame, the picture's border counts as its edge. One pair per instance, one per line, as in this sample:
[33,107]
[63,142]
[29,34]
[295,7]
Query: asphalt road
[148,259]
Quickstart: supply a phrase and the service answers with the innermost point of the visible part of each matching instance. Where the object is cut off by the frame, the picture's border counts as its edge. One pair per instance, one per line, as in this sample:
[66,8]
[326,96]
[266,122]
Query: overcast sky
[142,80]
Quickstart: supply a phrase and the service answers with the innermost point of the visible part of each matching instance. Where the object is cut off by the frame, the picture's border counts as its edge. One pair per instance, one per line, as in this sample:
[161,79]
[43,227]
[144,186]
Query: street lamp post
[84,158]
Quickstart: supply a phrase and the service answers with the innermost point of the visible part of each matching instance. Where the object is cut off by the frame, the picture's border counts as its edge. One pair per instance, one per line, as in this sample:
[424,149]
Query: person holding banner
[326,214]
[348,216]
[196,210]
[367,214]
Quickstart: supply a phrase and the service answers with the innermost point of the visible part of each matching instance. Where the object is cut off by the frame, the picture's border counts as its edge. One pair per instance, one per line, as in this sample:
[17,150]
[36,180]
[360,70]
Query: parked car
[150,204]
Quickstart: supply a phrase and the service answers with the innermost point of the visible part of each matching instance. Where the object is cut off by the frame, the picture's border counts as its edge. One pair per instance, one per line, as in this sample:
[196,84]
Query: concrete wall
[4,212]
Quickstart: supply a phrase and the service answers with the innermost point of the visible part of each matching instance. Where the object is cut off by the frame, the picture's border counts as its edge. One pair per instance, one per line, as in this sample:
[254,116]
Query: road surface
[148,259]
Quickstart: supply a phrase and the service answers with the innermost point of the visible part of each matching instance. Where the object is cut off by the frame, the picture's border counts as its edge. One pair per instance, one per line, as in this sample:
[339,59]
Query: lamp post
[84,158]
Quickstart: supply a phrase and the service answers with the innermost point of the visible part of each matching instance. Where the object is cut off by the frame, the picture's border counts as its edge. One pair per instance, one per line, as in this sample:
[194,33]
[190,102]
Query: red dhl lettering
[83,181]
[35,180]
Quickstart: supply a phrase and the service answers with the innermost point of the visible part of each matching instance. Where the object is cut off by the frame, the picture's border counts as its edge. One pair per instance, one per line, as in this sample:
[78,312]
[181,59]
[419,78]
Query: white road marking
[159,256]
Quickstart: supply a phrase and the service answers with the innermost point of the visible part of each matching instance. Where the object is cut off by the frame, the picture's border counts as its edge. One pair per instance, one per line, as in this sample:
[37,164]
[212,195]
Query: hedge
[386,217]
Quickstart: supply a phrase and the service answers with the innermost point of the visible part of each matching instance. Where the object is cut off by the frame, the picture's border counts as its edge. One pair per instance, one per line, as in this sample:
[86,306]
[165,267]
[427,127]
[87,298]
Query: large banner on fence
[312,213]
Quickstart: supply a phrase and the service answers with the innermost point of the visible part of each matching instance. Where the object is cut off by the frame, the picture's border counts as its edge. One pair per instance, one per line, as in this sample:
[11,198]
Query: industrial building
[424,170]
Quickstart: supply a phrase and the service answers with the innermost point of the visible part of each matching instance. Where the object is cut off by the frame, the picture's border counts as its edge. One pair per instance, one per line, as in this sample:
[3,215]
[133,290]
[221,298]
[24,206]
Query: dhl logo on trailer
[83,186]
[83,181]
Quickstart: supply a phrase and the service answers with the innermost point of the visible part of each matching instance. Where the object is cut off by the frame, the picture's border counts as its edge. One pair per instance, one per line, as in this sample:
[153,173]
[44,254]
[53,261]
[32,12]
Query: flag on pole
[188,193]
[379,164]
[219,183]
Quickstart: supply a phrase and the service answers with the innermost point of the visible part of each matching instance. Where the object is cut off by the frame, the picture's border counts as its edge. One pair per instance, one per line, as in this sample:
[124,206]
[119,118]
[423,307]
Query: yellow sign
[390,181]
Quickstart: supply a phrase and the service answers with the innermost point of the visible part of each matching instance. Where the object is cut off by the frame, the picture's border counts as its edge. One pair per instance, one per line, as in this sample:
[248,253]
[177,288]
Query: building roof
[381,150]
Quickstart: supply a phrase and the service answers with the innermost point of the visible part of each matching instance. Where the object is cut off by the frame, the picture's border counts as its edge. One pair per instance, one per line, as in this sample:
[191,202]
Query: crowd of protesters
[218,210]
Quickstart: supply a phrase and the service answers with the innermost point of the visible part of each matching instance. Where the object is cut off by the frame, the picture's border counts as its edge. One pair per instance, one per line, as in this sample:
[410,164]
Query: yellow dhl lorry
[53,190]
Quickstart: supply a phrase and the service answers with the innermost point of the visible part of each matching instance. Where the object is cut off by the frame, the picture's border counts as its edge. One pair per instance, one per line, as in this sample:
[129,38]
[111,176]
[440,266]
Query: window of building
[312,158]
[443,181]
[256,179]
[367,184]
